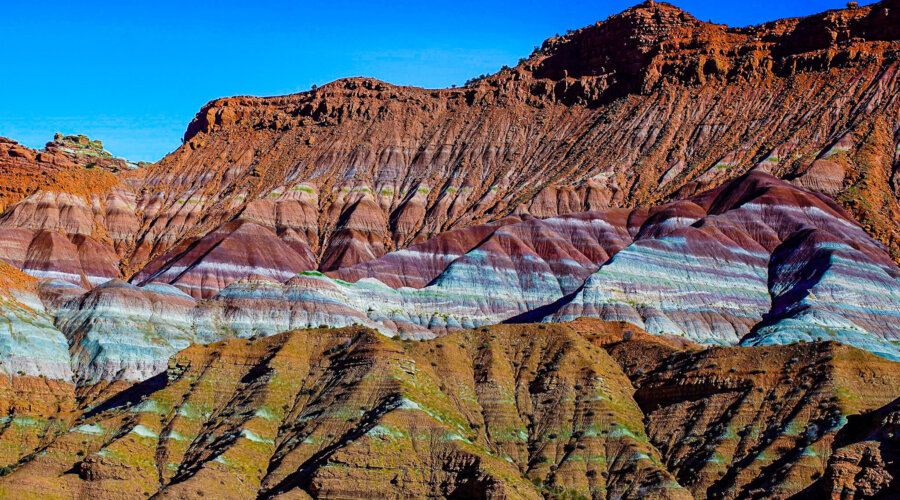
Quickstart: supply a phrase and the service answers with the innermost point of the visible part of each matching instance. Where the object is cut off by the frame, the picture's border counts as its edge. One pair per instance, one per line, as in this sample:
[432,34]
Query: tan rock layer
[503,412]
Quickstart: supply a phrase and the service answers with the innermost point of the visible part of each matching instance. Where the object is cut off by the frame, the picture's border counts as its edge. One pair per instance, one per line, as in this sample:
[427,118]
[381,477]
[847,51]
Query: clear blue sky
[133,74]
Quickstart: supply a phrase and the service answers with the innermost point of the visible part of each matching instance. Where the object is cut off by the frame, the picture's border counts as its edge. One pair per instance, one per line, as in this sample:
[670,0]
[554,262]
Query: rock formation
[756,261]
[865,461]
[773,422]
[648,105]
[499,411]
[586,408]
[725,200]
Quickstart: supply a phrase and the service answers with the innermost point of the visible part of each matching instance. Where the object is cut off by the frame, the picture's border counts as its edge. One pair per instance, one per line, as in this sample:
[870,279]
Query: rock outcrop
[514,197]
[795,421]
[718,267]
[89,154]
[646,106]
[865,461]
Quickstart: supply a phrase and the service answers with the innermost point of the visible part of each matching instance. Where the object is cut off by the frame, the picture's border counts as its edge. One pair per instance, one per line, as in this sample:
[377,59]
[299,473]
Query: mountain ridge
[571,179]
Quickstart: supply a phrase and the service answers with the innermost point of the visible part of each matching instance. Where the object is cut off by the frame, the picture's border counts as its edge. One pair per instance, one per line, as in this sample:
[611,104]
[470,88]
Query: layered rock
[499,412]
[37,394]
[25,171]
[67,219]
[514,410]
[645,106]
[757,261]
[30,344]
[420,213]
[234,251]
[864,464]
[118,331]
[765,421]
[753,261]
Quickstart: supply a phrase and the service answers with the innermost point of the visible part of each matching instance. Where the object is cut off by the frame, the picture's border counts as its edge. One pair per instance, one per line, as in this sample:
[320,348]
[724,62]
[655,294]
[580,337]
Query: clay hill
[655,259]
[574,410]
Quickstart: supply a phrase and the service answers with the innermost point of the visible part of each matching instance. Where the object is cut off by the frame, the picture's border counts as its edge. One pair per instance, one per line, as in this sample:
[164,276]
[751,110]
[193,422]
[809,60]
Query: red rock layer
[64,220]
[646,105]
[24,170]
[649,105]
[234,251]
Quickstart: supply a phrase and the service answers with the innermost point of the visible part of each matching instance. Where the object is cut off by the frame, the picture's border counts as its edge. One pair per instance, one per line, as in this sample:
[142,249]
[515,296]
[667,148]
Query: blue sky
[133,74]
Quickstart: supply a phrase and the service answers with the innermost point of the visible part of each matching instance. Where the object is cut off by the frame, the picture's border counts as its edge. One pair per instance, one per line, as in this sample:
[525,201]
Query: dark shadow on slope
[300,478]
[537,314]
[817,261]
[871,426]
[130,396]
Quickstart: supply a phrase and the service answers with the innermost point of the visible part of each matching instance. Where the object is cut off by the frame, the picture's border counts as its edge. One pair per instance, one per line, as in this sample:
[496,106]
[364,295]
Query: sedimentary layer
[586,408]
[343,413]
[756,261]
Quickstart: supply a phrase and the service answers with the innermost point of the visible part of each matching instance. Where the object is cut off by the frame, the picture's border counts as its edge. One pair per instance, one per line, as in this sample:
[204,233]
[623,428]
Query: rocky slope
[582,409]
[718,267]
[756,262]
[499,412]
[865,463]
[645,106]
[769,418]
[805,420]
[267,191]
[69,210]
[420,190]
[29,342]
[708,185]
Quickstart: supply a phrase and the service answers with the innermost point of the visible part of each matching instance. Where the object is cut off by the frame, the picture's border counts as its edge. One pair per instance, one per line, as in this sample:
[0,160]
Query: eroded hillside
[515,411]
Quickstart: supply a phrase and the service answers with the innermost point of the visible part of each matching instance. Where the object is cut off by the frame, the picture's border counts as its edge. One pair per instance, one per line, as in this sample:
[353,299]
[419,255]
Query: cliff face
[805,420]
[647,106]
[759,421]
[422,212]
[756,261]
